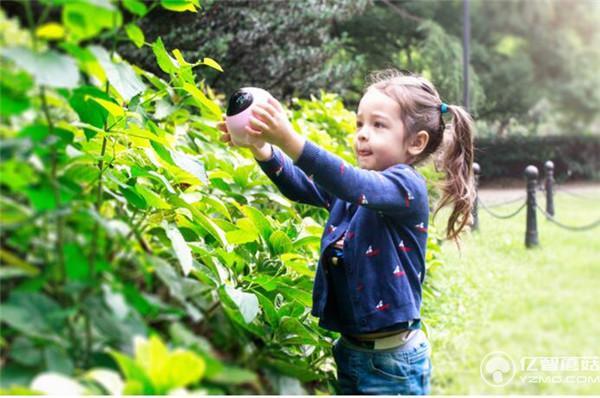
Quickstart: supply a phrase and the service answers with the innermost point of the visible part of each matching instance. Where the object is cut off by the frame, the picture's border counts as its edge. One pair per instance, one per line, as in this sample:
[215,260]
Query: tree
[284,47]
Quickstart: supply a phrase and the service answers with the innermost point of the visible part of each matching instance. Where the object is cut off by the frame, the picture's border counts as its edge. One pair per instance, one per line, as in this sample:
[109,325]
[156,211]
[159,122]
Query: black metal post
[531,234]
[549,167]
[476,171]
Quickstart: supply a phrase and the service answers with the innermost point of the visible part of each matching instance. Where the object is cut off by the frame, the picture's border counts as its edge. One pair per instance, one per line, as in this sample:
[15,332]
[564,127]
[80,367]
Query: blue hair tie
[444,107]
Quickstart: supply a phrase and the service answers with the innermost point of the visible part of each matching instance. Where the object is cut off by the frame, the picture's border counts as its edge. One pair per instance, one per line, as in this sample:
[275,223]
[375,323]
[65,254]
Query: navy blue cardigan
[385,241]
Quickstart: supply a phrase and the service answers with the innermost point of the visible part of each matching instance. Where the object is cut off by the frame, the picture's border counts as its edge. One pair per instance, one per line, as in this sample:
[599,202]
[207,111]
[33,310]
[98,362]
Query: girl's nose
[361,135]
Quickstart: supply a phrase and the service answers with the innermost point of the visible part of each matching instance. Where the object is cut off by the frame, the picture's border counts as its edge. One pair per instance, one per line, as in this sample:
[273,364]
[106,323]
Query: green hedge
[574,156]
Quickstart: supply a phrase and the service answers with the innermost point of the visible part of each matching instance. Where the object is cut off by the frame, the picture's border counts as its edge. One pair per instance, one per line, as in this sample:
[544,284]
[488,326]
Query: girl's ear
[418,143]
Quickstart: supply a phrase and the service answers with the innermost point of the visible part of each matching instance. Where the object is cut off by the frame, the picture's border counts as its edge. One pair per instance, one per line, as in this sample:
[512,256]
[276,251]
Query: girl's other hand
[226,137]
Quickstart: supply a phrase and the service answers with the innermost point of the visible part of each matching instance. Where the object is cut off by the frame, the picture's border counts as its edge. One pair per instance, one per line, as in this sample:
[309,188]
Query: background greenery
[500,296]
[141,255]
[575,157]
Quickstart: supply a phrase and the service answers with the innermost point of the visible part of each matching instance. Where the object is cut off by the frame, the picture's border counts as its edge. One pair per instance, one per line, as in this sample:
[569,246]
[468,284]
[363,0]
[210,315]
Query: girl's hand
[270,123]
[226,137]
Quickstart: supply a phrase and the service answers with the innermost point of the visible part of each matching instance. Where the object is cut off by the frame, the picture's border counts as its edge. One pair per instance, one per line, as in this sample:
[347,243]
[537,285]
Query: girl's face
[379,139]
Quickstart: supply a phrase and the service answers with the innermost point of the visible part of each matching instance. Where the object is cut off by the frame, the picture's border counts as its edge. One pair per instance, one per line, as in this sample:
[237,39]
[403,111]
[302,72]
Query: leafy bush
[124,216]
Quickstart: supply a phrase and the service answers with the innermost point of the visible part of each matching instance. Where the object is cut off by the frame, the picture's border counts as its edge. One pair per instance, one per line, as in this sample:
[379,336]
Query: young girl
[372,264]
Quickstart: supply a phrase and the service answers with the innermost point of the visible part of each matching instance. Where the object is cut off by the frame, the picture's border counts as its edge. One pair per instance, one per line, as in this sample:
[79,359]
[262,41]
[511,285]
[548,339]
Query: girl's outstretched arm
[393,190]
[291,180]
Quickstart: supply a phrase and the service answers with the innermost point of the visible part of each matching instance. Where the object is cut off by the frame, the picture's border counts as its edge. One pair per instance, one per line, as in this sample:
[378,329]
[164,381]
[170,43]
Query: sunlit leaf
[189,164]
[212,63]
[203,99]
[136,7]
[50,31]
[164,60]
[247,303]
[182,250]
[48,68]
[135,34]
[180,5]
[111,107]
[84,20]
[120,74]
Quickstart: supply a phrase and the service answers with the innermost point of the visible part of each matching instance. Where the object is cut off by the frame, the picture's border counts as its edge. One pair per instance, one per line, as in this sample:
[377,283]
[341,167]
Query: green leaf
[296,369]
[268,308]
[203,220]
[120,74]
[110,106]
[247,303]
[133,371]
[75,262]
[179,287]
[89,111]
[185,68]
[32,314]
[135,34]
[133,197]
[57,360]
[180,5]
[218,206]
[17,174]
[152,198]
[14,87]
[164,60]
[231,375]
[85,20]
[50,31]
[183,368]
[24,351]
[293,293]
[189,164]
[291,331]
[49,68]
[211,227]
[12,103]
[136,7]
[280,242]
[204,101]
[262,223]
[180,246]
[162,152]
[297,262]
[212,63]
[240,236]
[13,213]
[42,197]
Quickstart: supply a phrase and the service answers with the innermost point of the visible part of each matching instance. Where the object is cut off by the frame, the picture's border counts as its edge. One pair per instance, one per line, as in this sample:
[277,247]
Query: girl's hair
[420,109]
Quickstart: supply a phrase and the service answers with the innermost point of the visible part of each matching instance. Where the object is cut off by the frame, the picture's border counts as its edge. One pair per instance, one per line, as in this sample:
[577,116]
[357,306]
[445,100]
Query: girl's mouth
[364,153]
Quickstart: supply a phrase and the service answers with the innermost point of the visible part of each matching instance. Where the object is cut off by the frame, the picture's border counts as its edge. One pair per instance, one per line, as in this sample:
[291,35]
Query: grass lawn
[499,296]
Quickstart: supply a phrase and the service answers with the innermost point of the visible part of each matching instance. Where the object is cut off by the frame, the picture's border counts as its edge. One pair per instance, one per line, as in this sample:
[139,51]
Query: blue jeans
[404,370]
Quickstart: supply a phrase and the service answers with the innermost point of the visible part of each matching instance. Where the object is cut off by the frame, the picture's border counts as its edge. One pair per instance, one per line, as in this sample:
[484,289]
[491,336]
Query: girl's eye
[377,125]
